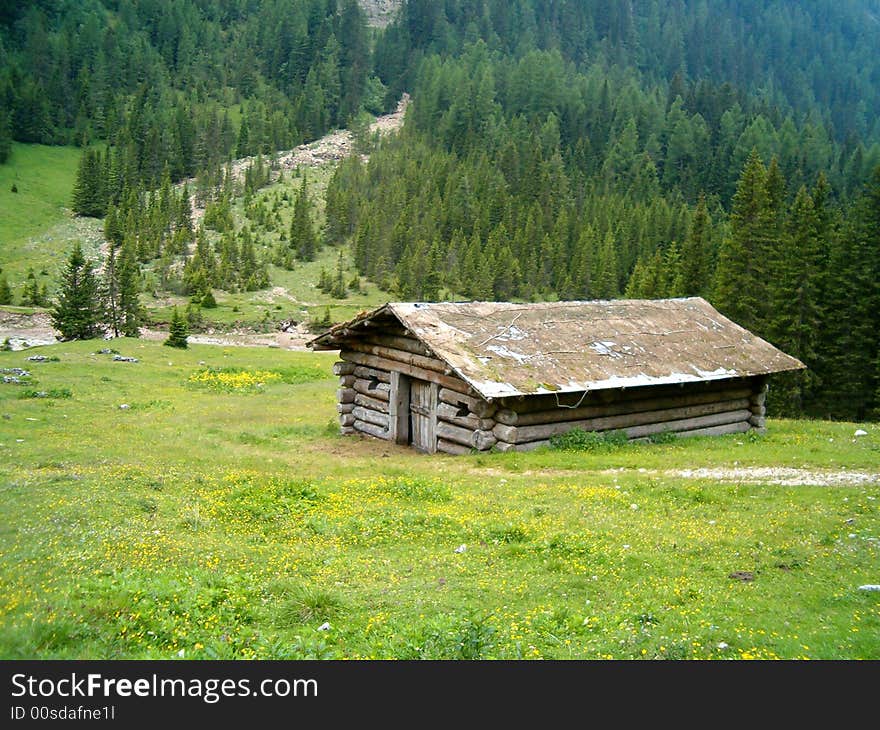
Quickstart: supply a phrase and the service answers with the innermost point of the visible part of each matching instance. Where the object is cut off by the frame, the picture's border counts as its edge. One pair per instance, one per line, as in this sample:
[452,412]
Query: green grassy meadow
[37,227]
[219,515]
[38,230]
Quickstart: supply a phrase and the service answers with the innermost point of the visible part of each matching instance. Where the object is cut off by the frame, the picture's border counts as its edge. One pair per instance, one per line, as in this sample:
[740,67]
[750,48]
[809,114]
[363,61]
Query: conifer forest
[569,149]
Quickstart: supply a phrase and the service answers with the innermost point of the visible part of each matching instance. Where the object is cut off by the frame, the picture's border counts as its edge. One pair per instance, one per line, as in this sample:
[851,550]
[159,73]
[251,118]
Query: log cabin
[459,377]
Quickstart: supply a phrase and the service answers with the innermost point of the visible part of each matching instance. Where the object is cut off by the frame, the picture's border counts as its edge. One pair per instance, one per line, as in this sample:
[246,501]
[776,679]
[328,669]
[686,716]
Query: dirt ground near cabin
[33,330]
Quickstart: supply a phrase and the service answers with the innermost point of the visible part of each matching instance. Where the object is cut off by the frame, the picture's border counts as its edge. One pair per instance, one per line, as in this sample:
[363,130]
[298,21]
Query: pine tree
[741,275]
[177,331]
[695,254]
[5,291]
[796,292]
[851,329]
[131,313]
[605,276]
[113,228]
[303,240]
[31,294]
[110,291]
[339,290]
[77,311]
[89,194]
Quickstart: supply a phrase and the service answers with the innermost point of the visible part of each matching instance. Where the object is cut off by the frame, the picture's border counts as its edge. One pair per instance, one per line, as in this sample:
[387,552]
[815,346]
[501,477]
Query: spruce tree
[605,282]
[177,331]
[5,291]
[339,290]
[110,291]
[31,294]
[695,254]
[303,240]
[89,194]
[796,296]
[851,328]
[741,275]
[77,311]
[131,311]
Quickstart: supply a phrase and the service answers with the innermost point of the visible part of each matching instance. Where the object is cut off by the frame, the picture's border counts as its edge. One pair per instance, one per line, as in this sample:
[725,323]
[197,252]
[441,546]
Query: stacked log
[374,399]
[757,406]
[714,409]
[345,397]
[377,360]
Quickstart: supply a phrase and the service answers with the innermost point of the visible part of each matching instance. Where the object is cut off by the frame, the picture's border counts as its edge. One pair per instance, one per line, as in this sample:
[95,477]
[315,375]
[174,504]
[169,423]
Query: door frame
[400,415]
[398,409]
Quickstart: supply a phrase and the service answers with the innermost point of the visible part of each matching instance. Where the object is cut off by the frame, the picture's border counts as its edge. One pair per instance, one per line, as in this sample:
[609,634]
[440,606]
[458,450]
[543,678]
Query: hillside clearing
[199,503]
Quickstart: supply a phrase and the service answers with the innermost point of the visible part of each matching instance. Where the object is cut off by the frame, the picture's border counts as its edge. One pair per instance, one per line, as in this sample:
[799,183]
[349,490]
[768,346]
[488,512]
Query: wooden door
[423,415]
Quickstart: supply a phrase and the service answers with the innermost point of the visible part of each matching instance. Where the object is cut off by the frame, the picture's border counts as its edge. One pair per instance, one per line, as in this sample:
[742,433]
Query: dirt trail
[31,330]
[783,476]
[332,147]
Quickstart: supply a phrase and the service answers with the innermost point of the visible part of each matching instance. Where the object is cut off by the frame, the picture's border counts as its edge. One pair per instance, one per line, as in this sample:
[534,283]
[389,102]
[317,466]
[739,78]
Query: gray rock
[124,407]
[122,358]
[21,373]
[869,588]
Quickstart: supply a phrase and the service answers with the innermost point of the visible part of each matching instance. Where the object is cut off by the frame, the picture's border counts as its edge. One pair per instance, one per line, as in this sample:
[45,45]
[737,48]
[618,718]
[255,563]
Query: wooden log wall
[374,394]
[757,405]
[377,367]
[704,409]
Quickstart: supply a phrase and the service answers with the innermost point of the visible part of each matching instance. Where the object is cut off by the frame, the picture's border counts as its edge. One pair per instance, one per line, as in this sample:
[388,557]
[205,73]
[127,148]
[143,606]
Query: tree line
[184,84]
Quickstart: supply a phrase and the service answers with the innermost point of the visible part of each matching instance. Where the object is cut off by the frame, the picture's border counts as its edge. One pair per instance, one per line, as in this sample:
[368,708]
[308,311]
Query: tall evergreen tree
[124,312]
[696,261]
[741,275]
[796,295]
[89,192]
[303,239]
[851,329]
[77,311]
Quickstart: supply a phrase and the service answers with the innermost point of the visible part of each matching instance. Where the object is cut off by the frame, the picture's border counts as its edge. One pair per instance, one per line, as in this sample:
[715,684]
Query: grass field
[38,230]
[37,227]
[219,515]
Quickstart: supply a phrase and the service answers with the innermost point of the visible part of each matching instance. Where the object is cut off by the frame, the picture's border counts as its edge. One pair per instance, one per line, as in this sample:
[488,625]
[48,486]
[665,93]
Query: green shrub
[664,437]
[51,393]
[304,605]
[579,440]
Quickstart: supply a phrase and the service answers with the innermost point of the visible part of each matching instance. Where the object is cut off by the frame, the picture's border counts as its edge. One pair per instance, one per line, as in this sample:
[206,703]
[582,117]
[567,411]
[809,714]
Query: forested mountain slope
[605,149]
[553,149]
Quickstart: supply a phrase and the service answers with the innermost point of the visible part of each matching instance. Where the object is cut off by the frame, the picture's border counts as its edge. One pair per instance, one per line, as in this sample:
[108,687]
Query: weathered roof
[505,349]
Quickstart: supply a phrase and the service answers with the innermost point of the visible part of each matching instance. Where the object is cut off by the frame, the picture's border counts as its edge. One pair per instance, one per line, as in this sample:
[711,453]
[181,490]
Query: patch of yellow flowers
[243,380]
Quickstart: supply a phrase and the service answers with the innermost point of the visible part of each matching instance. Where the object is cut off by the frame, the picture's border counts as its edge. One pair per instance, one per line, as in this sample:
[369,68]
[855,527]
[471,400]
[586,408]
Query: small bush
[466,639]
[579,440]
[507,534]
[305,605]
[664,437]
[58,393]
[420,490]
[208,301]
